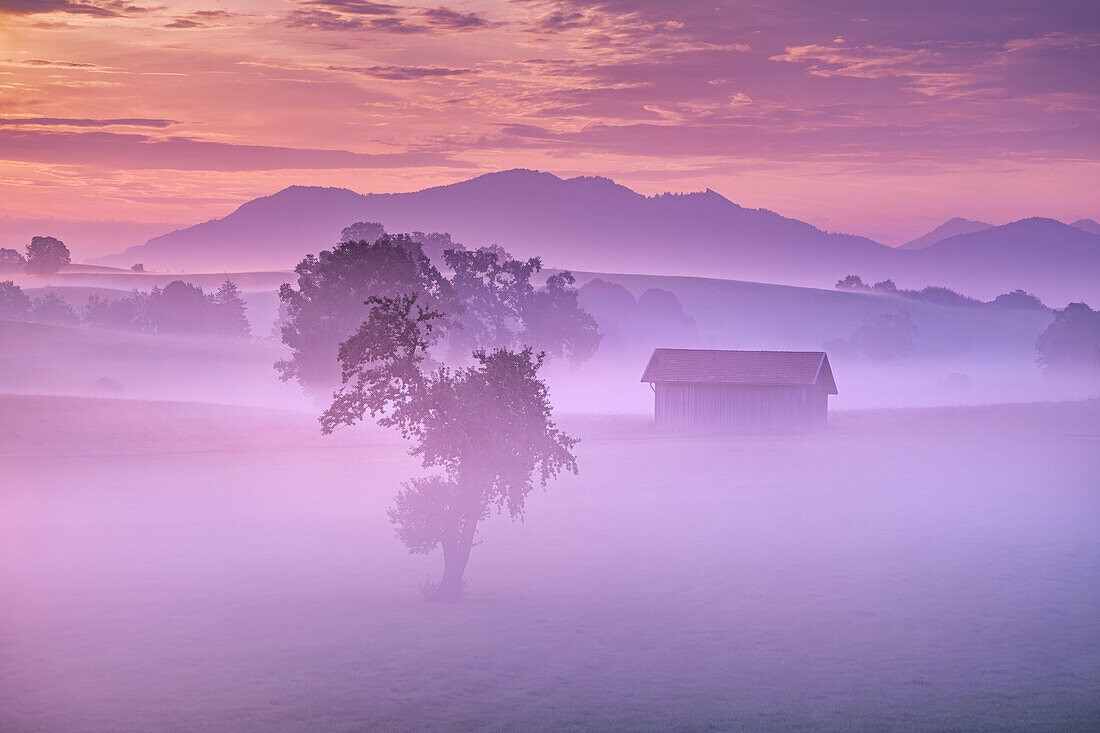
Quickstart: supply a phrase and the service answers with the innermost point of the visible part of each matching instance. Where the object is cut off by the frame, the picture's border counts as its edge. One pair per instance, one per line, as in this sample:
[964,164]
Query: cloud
[85,122]
[323,20]
[49,63]
[448,19]
[185,23]
[141,152]
[355,7]
[359,15]
[403,73]
[104,9]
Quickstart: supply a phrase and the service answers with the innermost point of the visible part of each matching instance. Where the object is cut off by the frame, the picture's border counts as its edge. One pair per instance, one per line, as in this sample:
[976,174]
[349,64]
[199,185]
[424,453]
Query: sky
[863,116]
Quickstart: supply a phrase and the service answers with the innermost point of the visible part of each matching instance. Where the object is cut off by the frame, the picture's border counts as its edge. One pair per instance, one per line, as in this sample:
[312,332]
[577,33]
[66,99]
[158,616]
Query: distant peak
[1087,225]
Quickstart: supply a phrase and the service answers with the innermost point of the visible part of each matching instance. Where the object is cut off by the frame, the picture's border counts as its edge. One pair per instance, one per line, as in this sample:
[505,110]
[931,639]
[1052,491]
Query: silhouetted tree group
[44,256]
[486,301]
[885,337]
[49,308]
[940,295]
[1072,341]
[178,308]
[656,318]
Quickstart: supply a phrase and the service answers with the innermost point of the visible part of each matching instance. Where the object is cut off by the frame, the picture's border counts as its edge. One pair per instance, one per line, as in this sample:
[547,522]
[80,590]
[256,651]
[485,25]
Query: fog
[182,549]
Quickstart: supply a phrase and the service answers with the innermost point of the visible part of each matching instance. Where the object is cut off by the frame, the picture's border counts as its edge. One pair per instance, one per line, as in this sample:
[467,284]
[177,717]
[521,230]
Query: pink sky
[864,116]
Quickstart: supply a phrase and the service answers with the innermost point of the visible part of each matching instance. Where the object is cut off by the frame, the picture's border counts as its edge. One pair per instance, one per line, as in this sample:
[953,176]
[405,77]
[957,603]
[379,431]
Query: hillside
[595,224]
[590,223]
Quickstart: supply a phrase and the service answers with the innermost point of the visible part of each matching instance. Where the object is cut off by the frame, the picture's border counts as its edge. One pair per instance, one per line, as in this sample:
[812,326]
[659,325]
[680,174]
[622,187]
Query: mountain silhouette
[949,228]
[1087,225]
[1056,261]
[587,222]
[595,224]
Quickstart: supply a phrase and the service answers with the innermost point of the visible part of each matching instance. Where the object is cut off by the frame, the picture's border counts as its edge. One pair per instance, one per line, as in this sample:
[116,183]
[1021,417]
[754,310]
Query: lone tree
[486,429]
[46,255]
[1072,341]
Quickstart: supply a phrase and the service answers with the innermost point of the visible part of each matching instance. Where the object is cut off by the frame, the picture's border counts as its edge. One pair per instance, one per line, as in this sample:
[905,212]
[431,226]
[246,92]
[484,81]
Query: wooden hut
[739,391]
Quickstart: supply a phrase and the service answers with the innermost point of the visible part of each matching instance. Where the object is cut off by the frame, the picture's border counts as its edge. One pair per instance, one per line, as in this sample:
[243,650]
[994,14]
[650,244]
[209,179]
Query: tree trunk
[455,557]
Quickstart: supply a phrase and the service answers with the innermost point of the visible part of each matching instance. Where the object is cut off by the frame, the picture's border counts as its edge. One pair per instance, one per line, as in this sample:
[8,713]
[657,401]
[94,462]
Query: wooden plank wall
[738,407]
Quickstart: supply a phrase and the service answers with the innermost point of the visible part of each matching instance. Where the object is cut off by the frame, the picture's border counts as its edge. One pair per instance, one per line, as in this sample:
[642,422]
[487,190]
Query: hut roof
[711,366]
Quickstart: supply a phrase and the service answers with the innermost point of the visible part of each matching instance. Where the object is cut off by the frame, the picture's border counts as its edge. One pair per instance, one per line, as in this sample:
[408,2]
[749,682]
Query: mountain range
[595,224]
[949,228]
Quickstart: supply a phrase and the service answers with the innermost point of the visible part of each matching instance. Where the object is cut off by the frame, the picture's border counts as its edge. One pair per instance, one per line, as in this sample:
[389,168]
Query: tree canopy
[1072,341]
[46,255]
[488,301]
[485,429]
[328,304]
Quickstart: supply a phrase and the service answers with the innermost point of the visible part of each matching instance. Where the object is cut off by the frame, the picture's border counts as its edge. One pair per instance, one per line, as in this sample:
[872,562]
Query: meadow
[182,566]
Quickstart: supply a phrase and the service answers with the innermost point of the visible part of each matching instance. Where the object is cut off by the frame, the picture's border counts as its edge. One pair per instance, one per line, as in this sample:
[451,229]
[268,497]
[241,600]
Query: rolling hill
[590,223]
[594,224]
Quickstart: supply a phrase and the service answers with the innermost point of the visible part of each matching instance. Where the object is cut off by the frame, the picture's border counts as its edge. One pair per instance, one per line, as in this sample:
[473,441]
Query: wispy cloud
[403,73]
[102,9]
[141,152]
[84,122]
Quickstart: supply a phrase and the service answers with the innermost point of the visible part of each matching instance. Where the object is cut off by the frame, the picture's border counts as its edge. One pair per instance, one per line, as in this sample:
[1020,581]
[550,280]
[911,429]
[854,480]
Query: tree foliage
[487,302]
[15,305]
[328,304]
[177,308]
[1072,341]
[11,260]
[54,310]
[885,337]
[486,429]
[46,255]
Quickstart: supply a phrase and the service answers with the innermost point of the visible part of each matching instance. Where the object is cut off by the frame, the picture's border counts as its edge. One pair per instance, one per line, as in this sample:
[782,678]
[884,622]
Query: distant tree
[663,317]
[362,231]
[941,296]
[138,267]
[553,319]
[494,290]
[14,303]
[613,307]
[886,337]
[180,308]
[486,428]
[1072,341]
[328,304]
[1020,299]
[121,314]
[229,312]
[885,286]
[11,261]
[434,245]
[46,255]
[851,282]
[54,310]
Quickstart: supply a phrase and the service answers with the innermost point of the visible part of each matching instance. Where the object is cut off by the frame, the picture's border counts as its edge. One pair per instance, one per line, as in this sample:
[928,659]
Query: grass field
[171,566]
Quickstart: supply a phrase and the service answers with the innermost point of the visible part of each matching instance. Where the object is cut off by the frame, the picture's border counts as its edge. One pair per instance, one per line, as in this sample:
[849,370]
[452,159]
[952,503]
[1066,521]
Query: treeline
[942,296]
[178,308]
